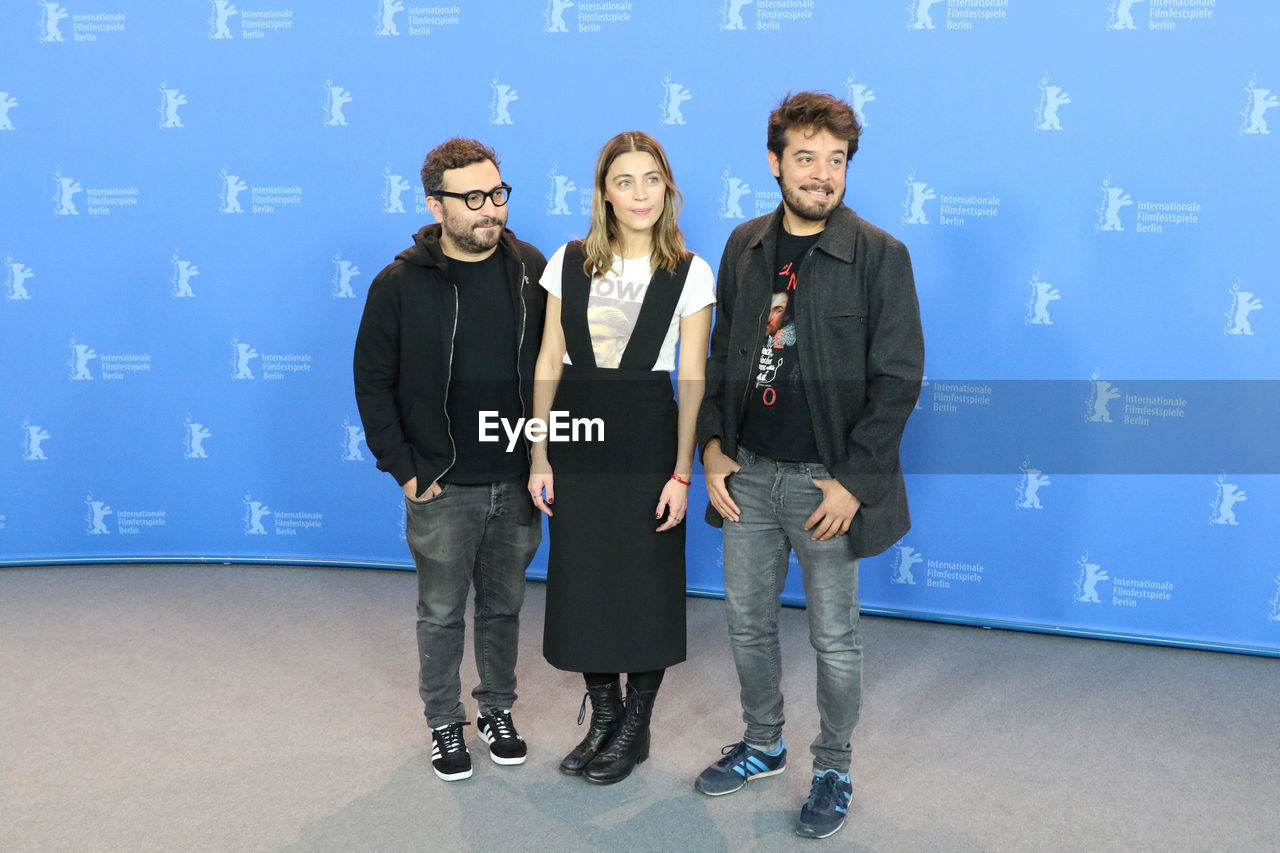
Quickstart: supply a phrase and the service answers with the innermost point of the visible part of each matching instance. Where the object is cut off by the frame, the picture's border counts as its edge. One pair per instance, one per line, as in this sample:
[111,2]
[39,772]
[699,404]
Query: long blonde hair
[668,241]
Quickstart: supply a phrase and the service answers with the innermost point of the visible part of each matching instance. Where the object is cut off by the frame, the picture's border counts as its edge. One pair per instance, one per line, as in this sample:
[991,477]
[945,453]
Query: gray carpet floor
[209,707]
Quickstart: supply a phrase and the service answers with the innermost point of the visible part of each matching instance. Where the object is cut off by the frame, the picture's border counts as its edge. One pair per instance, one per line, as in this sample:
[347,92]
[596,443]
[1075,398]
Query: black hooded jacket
[404,352]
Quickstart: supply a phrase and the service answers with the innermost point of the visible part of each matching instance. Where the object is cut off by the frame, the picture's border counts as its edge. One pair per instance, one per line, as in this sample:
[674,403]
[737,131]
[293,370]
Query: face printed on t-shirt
[610,330]
[613,307]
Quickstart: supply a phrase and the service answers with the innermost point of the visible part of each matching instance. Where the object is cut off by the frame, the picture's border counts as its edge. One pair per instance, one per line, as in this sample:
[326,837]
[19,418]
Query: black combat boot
[629,746]
[606,718]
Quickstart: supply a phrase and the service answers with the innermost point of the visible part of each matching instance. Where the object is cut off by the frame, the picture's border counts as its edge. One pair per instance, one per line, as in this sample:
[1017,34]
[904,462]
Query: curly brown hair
[453,154]
[813,111]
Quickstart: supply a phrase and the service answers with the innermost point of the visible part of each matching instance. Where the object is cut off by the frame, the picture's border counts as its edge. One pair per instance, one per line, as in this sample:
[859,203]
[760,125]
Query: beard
[805,206]
[464,234]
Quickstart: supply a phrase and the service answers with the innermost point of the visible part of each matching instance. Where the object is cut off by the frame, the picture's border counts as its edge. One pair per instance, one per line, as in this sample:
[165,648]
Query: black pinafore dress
[615,586]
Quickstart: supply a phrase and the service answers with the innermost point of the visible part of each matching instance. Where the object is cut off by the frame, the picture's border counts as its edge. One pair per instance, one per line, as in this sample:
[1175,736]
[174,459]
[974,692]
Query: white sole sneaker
[453,777]
[488,738]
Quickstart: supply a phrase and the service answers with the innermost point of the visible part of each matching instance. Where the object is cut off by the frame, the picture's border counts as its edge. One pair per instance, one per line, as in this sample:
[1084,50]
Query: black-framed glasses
[475,198]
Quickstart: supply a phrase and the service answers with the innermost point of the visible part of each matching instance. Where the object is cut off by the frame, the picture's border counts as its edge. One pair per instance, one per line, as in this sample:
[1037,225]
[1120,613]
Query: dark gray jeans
[775,499]
[484,535]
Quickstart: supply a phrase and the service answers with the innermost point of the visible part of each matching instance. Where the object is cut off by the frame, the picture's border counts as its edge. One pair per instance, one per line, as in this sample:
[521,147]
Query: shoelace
[500,725]
[582,709]
[451,738]
[823,795]
[734,753]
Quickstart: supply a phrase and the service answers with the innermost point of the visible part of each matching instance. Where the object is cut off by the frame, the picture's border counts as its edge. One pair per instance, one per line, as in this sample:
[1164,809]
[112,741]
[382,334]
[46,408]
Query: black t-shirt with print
[777,423]
[483,376]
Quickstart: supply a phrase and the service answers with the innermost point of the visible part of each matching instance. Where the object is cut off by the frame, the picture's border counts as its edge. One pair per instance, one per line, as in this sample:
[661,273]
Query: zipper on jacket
[524,313]
[453,458]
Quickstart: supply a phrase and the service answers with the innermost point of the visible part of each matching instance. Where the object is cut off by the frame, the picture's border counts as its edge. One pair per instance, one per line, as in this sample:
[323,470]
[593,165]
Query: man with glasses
[451,329]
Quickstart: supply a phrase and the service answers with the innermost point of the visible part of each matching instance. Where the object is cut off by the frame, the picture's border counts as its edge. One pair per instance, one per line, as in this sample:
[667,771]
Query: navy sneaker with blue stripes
[740,764]
[824,812]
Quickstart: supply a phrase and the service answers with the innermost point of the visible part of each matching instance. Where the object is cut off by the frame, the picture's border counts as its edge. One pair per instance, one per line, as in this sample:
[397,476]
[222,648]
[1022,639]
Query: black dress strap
[645,342]
[660,302]
[575,290]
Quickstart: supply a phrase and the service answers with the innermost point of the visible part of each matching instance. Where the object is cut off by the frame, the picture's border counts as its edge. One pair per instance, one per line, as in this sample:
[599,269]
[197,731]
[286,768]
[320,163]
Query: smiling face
[811,173]
[469,233]
[635,191]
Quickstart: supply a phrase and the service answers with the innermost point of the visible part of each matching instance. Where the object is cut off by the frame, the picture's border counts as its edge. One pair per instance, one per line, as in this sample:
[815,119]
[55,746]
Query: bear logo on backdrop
[33,439]
[193,443]
[254,512]
[1120,15]
[1113,200]
[500,102]
[1102,393]
[1032,481]
[393,186]
[242,356]
[731,14]
[1091,574]
[1243,303]
[1042,293]
[229,195]
[918,17]
[16,279]
[81,355]
[97,516]
[183,272]
[386,17]
[64,196]
[344,271]
[673,96]
[558,195]
[221,13]
[352,435]
[731,196]
[336,98]
[1222,508]
[900,566]
[7,102]
[553,16]
[859,95]
[51,15]
[918,192]
[170,100]
[1051,97]
[1253,116]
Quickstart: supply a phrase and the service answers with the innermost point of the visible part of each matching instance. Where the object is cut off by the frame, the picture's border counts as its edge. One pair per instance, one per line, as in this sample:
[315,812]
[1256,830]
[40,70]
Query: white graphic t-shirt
[615,300]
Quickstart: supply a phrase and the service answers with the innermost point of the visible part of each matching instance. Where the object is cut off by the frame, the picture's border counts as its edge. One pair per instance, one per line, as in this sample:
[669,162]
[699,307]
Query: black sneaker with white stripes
[449,756]
[505,744]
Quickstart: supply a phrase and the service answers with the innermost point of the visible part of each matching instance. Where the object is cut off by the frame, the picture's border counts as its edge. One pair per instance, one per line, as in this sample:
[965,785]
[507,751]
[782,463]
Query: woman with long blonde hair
[618,302]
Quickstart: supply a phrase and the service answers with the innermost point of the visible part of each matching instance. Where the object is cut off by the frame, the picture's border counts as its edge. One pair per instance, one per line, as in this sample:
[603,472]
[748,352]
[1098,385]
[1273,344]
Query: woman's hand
[674,500]
[540,481]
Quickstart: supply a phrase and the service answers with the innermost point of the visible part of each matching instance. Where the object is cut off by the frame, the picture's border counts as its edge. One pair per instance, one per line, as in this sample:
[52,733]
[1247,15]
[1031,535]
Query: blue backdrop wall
[197,194]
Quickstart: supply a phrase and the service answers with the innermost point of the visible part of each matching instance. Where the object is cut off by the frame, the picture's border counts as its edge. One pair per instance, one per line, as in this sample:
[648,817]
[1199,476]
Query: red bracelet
[681,480]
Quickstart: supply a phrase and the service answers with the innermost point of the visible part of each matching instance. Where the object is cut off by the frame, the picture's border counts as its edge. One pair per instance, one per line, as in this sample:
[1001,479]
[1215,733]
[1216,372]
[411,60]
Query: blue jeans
[775,499]
[485,535]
